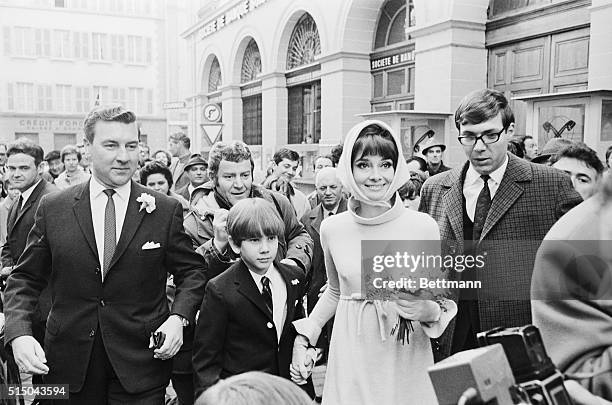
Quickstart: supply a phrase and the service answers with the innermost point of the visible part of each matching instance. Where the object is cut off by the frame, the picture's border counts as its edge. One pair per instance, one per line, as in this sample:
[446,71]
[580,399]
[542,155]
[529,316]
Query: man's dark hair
[516,148]
[53,155]
[108,113]
[155,168]
[285,153]
[237,151]
[422,163]
[483,105]
[608,153]
[27,147]
[181,137]
[580,151]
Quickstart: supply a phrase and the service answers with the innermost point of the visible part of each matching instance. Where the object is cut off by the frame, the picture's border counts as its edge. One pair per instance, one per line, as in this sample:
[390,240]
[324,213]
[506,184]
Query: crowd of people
[144,278]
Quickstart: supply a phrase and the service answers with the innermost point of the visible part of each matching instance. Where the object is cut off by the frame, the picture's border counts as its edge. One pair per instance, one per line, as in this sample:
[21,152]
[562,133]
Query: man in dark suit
[24,167]
[246,316]
[105,248]
[496,206]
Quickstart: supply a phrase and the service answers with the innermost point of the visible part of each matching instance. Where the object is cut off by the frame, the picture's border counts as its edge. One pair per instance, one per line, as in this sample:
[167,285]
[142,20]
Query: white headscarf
[345,168]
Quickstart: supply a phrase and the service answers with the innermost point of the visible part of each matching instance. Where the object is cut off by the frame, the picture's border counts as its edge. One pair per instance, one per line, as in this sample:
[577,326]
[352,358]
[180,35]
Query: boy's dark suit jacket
[235,331]
[125,308]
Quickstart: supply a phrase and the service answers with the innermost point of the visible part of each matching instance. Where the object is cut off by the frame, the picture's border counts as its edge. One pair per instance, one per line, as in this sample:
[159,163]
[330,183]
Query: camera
[533,370]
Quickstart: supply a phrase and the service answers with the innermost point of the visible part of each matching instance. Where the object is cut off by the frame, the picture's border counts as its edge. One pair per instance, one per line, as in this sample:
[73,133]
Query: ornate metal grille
[214,78]
[251,63]
[304,44]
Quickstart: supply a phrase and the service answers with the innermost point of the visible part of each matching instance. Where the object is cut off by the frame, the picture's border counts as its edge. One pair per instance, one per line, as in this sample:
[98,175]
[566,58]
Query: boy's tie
[266,293]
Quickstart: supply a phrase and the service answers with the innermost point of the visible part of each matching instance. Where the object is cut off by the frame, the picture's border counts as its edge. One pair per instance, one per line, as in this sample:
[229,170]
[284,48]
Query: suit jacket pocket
[150,252]
[53,326]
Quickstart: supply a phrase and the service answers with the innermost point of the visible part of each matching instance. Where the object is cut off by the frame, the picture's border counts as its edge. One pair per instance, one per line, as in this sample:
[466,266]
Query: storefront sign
[392,60]
[50,124]
[233,14]
[173,105]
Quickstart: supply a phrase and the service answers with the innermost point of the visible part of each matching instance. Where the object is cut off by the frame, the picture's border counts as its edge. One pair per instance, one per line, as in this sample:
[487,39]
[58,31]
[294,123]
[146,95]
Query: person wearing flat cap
[196,170]
[432,151]
[552,147]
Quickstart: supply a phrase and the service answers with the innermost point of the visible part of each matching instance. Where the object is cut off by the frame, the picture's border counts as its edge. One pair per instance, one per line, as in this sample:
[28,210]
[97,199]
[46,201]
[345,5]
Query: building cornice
[519,16]
[441,26]
[72,11]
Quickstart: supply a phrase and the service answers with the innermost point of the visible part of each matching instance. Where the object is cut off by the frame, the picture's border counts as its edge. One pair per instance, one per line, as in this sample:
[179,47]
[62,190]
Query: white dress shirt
[473,184]
[279,296]
[26,194]
[98,206]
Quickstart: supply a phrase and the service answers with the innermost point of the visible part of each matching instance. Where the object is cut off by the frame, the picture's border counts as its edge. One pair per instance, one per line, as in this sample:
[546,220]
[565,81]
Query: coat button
[269,325]
[92,333]
[97,270]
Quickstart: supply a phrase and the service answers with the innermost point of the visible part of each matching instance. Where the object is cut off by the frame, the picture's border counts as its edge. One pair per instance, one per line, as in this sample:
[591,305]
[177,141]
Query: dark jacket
[318,275]
[296,244]
[19,223]
[441,169]
[529,200]
[236,332]
[125,308]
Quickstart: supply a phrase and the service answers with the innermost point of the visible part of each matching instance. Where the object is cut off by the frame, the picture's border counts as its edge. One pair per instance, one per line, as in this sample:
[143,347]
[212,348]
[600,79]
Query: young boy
[245,321]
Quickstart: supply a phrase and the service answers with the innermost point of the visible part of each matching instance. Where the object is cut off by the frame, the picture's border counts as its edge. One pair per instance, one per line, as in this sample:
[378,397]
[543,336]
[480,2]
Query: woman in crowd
[156,176]
[73,172]
[163,157]
[366,365]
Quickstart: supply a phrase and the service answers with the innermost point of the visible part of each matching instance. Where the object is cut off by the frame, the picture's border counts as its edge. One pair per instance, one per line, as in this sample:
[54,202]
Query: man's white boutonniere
[295,281]
[147,202]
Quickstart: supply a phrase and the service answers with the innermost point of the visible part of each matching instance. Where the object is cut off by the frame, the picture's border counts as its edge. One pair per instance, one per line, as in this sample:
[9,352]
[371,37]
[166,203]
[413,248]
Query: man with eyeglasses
[496,207]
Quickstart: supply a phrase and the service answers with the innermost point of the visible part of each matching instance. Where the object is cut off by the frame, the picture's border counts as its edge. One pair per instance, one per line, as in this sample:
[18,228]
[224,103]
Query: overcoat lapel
[291,295]
[452,200]
[82,211]
[510,189]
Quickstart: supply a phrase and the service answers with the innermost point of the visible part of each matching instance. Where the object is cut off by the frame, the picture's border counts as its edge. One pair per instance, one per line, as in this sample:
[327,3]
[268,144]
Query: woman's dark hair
[374,140]
[155,168]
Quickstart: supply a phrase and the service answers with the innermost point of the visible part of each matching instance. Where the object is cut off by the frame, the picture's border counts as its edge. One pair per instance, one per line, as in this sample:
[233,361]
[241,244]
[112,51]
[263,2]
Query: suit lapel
[33,197]
[317,218]
[131,223]
[12,216]
[82,212]
[452,200]
[508,192]
[246,286]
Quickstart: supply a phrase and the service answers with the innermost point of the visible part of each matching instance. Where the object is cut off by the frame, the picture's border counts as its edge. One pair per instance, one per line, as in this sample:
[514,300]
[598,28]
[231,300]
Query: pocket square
[151,245]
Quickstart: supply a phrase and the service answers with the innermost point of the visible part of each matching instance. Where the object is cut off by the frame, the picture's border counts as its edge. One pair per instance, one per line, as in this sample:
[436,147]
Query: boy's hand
[302,361]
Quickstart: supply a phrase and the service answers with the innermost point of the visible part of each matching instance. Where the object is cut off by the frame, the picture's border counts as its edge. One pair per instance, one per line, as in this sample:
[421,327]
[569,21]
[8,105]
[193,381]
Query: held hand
[173,329]
[416,309]
[302,361]
[220,229]
[289,262]
[29,356]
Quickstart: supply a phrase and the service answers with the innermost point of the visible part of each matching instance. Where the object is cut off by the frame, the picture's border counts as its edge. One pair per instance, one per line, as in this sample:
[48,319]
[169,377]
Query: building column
[346,90]
[274,113]
[600,52]
[231,101]
[450,59]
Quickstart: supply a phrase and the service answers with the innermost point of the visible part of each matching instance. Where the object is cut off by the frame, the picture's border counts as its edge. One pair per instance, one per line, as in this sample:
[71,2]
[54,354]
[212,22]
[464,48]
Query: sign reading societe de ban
[49,124]
[392,60]
[231,15]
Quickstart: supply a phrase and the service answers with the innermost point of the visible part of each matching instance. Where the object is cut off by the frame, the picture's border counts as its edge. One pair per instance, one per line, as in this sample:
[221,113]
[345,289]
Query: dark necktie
[483,204]
[110,229]
[330,214]
[266,293]
[20,202]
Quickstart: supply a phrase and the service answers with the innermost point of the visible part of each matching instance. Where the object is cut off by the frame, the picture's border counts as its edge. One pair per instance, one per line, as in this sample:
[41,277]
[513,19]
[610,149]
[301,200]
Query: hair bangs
[375,141]
[254,218]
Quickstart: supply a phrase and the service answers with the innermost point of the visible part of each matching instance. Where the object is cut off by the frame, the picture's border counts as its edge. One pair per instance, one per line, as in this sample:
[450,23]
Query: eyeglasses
[487,139]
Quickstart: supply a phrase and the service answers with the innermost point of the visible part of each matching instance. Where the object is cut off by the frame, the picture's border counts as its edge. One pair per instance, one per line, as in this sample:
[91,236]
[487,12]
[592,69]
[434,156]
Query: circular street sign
[212,112]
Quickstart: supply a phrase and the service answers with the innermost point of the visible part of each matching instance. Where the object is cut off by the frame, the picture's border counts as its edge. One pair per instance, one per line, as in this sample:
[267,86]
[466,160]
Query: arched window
[304,44]
[251,63]
[214,78]
[251,95]
[391,28]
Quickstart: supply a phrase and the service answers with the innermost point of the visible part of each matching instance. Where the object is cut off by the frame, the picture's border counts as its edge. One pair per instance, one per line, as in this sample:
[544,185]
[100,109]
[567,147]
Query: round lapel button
[269,325]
